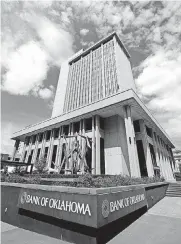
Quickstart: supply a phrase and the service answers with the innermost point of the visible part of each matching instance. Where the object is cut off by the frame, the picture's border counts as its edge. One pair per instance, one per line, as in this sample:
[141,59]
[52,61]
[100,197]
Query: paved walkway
[160,225]
[13,235]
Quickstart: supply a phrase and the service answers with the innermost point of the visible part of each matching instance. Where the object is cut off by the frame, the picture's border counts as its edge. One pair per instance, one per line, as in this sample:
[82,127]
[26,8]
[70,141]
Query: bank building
[98,122]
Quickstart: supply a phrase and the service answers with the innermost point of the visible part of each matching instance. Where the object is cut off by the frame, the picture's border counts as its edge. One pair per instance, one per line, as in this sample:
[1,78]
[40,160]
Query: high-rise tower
[96,99]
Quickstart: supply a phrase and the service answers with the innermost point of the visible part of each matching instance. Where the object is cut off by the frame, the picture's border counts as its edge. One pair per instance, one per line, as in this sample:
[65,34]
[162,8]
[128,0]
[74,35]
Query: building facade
[98,121]
[177,157]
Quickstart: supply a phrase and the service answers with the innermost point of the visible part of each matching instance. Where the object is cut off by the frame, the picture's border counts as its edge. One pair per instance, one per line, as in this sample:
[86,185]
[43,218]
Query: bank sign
[93,210]
[27,198]
[116,205]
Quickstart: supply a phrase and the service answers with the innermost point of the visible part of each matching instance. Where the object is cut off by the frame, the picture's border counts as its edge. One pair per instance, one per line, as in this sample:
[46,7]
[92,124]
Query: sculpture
[74,153]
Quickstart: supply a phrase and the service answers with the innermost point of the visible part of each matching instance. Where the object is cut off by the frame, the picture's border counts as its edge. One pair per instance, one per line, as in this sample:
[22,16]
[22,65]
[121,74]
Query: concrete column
[155,148]
[23,151]
[98,151]
[69,133]
[83,140]
[149,163]
[59,148]
[93,166]
[131,143]
[29,150]
[68,139]
[36,149]
[71,140]
[50,151]
[16,145]
[43,144]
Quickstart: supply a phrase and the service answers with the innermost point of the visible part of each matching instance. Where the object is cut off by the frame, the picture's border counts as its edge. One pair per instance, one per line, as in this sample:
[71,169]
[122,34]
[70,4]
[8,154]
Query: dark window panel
[88,124]
[136,125]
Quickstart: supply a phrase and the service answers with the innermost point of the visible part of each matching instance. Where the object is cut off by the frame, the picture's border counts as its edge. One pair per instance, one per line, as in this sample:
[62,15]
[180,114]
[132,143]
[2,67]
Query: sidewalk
[12,234]
[160,225]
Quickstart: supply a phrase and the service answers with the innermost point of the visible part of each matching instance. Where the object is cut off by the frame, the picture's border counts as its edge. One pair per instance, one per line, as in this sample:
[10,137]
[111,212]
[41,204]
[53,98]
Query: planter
[91,207]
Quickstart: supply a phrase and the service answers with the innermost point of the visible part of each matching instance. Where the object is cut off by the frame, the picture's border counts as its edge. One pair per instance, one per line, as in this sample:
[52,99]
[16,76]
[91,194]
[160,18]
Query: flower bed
[87,180]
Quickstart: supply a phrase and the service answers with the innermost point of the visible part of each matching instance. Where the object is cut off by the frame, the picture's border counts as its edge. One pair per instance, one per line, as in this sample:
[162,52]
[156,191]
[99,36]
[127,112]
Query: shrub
[86,180]
[15,178]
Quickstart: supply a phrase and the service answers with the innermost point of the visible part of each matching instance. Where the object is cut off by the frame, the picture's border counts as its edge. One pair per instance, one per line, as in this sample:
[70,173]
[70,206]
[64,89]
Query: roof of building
[118,99]
[97,44]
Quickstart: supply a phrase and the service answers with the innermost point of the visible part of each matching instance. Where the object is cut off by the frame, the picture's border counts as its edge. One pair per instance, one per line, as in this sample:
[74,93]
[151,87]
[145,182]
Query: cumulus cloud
[160,86]
[46,93]
[6,133]
[38,44]
[84,32]
[56,41]
[27,68]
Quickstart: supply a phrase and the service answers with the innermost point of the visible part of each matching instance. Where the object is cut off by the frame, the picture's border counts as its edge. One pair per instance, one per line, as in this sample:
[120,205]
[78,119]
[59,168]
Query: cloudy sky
[37,36]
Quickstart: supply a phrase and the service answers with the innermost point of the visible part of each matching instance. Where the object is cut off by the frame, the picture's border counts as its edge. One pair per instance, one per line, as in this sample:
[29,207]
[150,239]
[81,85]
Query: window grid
[92,77]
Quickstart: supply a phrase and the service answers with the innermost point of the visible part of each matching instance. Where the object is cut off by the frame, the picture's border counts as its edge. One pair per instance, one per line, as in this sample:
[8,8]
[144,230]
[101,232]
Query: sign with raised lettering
[71,207]
[95,210]
[116,205]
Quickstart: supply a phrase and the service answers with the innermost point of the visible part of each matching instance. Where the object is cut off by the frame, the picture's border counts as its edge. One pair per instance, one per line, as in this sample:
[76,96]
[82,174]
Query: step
[173,190]
[173,195]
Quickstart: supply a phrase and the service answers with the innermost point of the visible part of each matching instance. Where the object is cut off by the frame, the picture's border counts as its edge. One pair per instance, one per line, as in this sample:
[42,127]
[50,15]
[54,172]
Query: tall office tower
[98,114]
[93,75]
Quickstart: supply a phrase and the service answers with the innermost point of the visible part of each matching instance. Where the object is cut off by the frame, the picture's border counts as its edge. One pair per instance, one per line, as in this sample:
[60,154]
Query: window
[76,127]
[88,124]
[149,131]
[38,153]
[17,159]
[48,135]
[66,129]
[46,152]
[33,139]
[136,125]
[41,137]
[56,133]
[27,140]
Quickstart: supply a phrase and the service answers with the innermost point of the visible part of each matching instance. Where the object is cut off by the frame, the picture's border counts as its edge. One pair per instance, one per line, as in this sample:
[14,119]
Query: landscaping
[87,180]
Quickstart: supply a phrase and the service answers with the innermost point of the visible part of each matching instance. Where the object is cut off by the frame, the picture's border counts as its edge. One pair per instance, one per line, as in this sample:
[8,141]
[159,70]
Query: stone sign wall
[116,205]
[76,208]
[93,210]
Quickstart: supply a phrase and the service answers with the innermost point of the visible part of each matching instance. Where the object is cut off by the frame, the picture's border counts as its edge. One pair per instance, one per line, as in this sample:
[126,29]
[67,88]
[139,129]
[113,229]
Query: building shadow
[75,233]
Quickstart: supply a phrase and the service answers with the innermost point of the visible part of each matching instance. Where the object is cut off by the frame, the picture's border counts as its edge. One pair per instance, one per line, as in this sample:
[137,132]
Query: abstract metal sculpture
[74,153]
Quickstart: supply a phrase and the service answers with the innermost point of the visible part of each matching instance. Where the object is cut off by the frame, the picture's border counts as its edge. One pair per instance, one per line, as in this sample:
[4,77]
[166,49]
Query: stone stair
[174,190]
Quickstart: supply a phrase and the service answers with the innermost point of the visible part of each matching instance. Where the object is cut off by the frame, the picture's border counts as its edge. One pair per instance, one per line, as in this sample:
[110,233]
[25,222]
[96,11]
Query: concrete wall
[115,146]
[154,193]
[125,77]
[61,90]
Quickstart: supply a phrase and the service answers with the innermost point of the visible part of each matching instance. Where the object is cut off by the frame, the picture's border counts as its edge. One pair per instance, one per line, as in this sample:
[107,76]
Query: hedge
[86,180]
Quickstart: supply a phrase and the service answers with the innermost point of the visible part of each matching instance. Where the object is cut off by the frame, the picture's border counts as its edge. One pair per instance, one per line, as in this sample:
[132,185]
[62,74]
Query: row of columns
[96,167]
[161,158]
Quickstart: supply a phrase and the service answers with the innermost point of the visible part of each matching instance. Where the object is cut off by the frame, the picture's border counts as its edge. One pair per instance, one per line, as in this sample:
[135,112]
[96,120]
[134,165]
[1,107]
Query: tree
[41,164]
